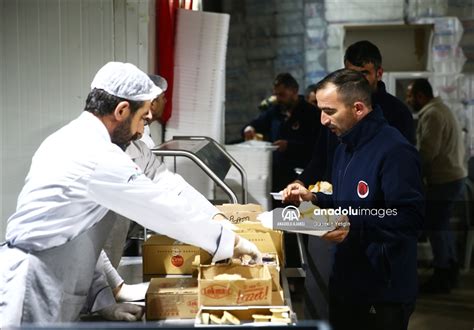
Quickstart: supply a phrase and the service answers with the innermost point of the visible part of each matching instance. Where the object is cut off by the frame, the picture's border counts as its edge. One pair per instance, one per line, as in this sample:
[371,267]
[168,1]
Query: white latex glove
[132,292]
[122,312]
[245,247]
[266,218]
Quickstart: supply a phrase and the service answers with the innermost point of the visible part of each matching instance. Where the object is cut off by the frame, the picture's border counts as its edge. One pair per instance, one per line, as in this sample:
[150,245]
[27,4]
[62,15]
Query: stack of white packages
[198,90]
[426,8]
[447,56]
[447,60]
[468,100]
[199,74]
[256,158]
[364,11]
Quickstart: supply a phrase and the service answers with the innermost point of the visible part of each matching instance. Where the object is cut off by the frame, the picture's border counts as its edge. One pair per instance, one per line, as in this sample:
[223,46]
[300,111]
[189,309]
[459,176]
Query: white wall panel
[49,53]
[3,109]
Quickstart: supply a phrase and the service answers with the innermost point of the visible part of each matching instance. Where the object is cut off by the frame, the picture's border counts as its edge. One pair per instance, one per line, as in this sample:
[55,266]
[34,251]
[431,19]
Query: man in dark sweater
[373,283]
[292,125]
[365,57]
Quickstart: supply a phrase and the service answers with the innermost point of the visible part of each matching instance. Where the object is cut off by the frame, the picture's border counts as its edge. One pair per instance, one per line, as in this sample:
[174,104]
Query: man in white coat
[49,262]
[151,165]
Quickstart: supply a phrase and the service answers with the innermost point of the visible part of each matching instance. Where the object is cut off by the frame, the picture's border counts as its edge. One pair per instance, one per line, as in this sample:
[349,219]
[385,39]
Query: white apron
[51,285]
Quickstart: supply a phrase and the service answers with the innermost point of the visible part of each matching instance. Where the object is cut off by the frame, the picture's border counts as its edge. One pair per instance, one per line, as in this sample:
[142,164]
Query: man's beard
[416,107]
[287,106]
[122,135]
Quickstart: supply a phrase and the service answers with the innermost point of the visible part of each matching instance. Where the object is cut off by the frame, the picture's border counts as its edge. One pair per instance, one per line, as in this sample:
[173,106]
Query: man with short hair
[373,283]
[440,143]
[292,126]
[49,264]
[365,57]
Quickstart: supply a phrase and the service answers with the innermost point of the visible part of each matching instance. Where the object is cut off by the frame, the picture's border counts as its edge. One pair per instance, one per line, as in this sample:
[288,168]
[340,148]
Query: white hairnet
[159,81]
[125,80]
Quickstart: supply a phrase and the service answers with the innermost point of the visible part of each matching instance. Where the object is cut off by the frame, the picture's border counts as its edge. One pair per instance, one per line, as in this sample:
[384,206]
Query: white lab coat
[77,174]
[155,170]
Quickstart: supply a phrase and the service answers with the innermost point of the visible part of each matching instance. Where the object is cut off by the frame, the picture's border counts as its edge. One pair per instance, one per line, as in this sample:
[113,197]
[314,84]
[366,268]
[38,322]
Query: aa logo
[290,213]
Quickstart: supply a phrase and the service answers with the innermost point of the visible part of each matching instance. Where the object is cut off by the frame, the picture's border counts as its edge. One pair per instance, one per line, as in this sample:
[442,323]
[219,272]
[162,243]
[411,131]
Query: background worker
[292,125]
[440,143]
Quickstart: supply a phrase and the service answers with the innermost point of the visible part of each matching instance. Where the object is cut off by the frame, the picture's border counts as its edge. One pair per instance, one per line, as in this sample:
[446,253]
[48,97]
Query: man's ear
[122,111]
[379,73]
[360,108]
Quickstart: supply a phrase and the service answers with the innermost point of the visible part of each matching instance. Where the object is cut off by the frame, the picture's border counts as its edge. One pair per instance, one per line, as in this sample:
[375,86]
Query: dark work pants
[382,316]
[440,199]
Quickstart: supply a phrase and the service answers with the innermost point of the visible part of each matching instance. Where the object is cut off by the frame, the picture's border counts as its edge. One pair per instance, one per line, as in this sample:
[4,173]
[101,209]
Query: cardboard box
[172,298]
[254,287]
[163,255]
[237,213]
[244,216]
[267,241]
[278,299]
[243,313]
[274,269]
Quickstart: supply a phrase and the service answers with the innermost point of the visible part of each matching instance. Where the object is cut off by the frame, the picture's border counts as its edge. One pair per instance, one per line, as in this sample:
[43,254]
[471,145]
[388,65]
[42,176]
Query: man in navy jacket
[365,57]
[377,188]
[292,125]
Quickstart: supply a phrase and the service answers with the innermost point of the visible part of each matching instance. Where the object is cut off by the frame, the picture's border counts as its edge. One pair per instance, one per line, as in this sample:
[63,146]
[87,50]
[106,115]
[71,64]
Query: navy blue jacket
[377,260]
[300,130]
[395,112]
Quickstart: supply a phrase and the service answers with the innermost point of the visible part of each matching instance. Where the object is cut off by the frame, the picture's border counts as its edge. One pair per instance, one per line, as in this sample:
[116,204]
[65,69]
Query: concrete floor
[450,311]
[454,311]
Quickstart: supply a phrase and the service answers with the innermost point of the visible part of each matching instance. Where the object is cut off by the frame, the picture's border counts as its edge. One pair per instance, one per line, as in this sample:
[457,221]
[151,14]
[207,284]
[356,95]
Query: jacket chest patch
[362,189]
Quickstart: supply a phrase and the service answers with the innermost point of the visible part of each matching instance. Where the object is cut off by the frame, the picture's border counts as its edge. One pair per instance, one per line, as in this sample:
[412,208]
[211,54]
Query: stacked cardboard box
[166,256]
[172,298]
[234,284]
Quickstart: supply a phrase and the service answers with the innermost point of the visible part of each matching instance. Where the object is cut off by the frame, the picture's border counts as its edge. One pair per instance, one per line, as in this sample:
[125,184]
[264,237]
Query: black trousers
[382,316]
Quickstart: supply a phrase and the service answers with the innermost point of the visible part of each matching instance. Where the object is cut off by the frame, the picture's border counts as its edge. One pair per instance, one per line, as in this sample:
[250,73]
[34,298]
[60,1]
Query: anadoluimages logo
[290,213]
[362,189]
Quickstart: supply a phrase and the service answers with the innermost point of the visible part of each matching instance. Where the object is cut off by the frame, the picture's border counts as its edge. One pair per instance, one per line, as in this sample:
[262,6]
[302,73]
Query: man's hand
[295,193]
[249,133]
[122,312]
[340,233]
[281,144]
[245,247]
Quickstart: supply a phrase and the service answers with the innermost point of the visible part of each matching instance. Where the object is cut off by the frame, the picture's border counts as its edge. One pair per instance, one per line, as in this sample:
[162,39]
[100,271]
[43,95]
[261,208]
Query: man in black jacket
[365,57]
[292,125]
